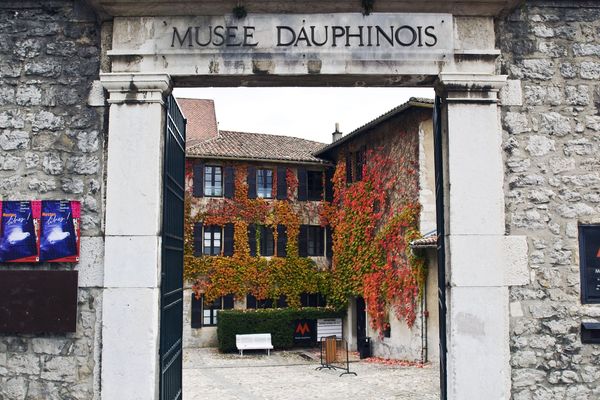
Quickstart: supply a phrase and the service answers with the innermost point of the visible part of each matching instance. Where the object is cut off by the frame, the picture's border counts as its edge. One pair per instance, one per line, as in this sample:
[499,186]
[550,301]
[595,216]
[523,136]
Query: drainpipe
[424,349]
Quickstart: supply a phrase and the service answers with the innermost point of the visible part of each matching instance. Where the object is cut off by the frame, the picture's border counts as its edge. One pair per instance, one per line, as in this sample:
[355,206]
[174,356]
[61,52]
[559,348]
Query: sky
[309,113]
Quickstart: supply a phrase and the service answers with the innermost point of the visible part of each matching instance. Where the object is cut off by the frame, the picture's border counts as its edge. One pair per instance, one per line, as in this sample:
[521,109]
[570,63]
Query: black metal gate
[171,288]
[441,251]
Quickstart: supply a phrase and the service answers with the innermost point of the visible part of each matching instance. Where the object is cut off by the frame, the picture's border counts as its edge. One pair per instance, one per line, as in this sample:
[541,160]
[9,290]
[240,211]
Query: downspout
[424,349]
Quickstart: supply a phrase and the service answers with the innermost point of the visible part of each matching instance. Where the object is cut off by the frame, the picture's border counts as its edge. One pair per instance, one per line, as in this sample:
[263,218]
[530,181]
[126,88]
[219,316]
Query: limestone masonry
[52,146]
[550,115]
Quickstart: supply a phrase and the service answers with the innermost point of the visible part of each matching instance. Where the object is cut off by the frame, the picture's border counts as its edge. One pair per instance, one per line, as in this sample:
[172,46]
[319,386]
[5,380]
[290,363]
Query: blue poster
[18,239]
[59,236]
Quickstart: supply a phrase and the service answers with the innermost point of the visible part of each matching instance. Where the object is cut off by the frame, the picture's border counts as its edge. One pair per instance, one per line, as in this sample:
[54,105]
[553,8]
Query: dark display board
[38,301]
[589,255]
[305,332]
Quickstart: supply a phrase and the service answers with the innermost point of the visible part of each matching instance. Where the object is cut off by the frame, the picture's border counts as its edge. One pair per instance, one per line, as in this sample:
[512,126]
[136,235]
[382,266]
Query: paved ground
[208,375]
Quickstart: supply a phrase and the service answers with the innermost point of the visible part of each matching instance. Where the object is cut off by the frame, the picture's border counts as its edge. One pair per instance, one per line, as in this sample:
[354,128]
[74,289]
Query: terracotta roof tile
[257,146]
[201,119]
[427,241]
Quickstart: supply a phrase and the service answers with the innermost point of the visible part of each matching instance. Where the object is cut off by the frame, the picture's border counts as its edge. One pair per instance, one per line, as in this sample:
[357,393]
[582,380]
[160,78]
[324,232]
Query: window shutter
[281,240]
[321,300]
[252,239]
[348,167]
[303,241]
[251,182]
[282,302]
[250,301]
[228,302]
[329,242]
[302,190]
[196,312]
[198,239]
[360,162]
[281,183]
[321,244]
[228,179]
[329,184]
[228,240]
[198,181]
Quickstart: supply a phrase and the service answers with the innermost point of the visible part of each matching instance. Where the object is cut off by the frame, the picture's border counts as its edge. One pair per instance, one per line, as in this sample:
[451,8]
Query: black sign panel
[38,301]
[305,332]
[589,255]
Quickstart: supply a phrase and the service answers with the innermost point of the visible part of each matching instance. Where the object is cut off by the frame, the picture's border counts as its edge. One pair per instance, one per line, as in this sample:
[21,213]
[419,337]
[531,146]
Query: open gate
[171,288]
[441,249]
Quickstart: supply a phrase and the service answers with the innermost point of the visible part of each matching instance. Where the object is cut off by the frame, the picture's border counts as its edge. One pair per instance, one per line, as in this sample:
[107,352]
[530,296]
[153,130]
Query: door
[361,322]
[441,250]
[171,289]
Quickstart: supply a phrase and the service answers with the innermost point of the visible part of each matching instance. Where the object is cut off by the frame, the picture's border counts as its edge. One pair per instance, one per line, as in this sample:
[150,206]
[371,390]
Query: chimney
[337,135]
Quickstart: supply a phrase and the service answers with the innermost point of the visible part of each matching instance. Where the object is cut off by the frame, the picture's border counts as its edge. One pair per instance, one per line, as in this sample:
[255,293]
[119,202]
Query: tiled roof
[412,102]
[427,241]
[201,119]
[257,146]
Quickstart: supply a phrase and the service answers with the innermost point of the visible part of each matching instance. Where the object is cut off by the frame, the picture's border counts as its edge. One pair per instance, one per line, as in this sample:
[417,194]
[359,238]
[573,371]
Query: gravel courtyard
[208,375]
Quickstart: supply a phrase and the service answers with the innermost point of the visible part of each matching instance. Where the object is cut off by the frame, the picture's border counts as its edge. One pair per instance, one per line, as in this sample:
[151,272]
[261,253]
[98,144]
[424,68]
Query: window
[312,300]
[315,241]
[253,303]
[387,331]
[211,241]
[264,183]
[210,310]
[314,185]
[267,241]
[213,181]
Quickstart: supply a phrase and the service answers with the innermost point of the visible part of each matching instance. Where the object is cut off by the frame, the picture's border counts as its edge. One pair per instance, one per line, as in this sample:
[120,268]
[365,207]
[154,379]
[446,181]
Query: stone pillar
[131,302]
[481,262]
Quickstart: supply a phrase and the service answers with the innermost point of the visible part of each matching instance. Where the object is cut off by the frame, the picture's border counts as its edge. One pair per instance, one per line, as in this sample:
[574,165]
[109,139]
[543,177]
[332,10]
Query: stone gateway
[82,116]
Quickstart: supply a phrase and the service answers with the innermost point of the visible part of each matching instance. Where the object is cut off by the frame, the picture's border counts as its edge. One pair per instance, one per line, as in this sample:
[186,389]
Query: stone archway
[481,262]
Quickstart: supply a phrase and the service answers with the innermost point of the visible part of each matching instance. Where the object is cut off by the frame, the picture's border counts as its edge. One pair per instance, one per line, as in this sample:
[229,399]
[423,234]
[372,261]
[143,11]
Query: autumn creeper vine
[371,236]
[243,273]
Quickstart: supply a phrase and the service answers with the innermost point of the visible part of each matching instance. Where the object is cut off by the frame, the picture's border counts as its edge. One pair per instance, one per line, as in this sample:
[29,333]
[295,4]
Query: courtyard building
[301,174]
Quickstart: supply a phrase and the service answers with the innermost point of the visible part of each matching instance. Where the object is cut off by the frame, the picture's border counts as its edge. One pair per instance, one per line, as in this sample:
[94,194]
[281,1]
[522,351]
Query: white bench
[254,341]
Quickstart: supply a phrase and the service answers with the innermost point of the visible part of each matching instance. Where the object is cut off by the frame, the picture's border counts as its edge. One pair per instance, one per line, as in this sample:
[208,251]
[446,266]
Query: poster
[60,232]
[305,332]
[19,231]
[589,253]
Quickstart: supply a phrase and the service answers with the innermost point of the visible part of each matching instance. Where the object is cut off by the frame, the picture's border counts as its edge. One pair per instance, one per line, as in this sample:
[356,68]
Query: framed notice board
[589,257]
[34,301]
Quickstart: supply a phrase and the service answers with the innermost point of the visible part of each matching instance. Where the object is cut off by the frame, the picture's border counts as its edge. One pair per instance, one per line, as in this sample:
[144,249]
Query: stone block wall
[550,116]
[52,147]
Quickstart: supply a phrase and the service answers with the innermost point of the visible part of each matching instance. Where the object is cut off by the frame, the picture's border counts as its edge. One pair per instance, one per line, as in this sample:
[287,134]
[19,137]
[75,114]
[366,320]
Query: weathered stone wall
[551,52]
[52,148]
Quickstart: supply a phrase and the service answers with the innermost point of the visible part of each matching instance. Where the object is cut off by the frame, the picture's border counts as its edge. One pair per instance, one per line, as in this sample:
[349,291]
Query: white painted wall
[405,343]
[195,337]
[426,177]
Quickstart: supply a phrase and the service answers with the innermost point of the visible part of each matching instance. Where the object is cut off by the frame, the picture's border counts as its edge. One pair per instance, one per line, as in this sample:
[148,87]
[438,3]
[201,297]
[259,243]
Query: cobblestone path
[208,375]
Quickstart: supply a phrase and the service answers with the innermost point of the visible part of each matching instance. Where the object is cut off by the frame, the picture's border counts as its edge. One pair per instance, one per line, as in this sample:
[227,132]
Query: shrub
[279,322]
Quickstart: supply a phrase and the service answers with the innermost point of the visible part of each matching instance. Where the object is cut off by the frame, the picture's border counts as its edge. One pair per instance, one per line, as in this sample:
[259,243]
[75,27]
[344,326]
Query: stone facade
[307,212]
[551,53]
[406,138]
[52,148]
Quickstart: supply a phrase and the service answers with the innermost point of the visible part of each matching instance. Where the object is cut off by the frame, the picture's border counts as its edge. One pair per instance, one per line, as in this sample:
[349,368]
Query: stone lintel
[136,87]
